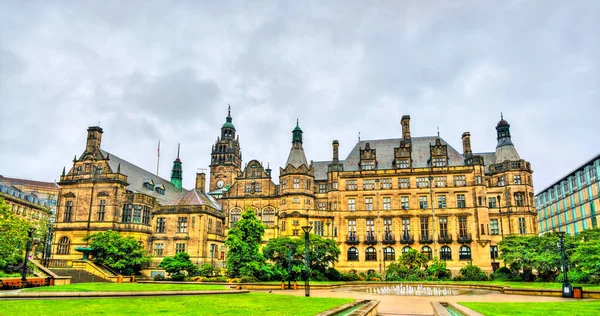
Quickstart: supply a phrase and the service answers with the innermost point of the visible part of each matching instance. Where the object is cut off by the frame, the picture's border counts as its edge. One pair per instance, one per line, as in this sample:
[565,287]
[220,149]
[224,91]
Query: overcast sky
[160,70]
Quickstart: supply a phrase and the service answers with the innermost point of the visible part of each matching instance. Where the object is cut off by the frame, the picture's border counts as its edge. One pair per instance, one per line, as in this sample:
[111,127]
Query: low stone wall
[369,308]
[439,309]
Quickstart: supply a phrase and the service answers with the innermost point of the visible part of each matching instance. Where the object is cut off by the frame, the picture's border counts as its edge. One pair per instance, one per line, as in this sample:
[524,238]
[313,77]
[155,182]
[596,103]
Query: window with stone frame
[460,181]
[269,217]
[404,202]
[423,202]
[68,211]
[367,165]
[404,183]
[283,225]
[352,230]
[492,202]
[127,210]
[370,229]
[350,185]
[296,183]
[501,181]
[519,199]
[159,249]
[424,228]
[318,228]
[460,201]
[368,184]
[462,227]
[64,246]
[445,253]
[351,204]
[389,254]
[352,254]
[517,179]
[179,248]
[440,162]
[387,203]
[322,205]
[182,224]
[284,184]
[137,214]
[369,203]
[464,253]
[248,188]
[161,224]
[146,215]
[422,182]
[426,250]
[322,188]
[370,254]
[494,227]
[441,201]
[440,181]
[296,201]
[386,183]
[406,229]
[402,163]
[522,226]
[101,210]
[444,228]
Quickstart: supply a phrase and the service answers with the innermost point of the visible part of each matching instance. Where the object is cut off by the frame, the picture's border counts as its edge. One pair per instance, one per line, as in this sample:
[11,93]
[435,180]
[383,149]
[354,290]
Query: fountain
[409,290]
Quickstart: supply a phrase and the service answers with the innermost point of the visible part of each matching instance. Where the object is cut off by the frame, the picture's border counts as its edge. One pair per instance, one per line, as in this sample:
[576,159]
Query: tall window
[441,201]
[179,248]
[370,229]
[296,183]
[368,184]
[283,226]
[462,226]
[422,182]
[492,202]
[423,202]
[386,183]
[494,226]
[350,185]
[460,181]
[284,184]
[501,181]
[318,228]
[389,254]
[234,216]
[369,203]
[493,252]
[161,224]
[68,211]
[159,249]
[460,201]
[426,250]
[445,253]
[444,227]
[126,218]
[368,165]
[101,210]
[322,188]
[517,179]
[464,253]
[522,227]
[371,254]
[519,199]
[146,215]
[405,228]
[439,162]
[351,204]
[137,213]
[308,184]
[440,182]
[182,224]
[404,183]
[64,246]
[387,203]
[402,163]
[387,227]
[352,230]
[269,217]
[404,202]
[352,254]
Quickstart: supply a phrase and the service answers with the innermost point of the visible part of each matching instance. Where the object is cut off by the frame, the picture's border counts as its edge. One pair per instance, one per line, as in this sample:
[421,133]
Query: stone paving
[420,305]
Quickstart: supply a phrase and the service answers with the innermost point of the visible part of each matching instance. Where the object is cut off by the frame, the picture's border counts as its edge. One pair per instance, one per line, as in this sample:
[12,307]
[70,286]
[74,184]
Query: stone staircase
[78,276]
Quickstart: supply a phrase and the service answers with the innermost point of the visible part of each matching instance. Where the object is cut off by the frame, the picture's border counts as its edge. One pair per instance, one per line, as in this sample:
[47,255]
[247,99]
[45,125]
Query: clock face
[220,184]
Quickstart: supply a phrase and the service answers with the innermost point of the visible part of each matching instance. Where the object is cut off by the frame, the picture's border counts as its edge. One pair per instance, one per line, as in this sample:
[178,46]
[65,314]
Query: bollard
[132,278]
[295,285]
[282,285]
[120,279]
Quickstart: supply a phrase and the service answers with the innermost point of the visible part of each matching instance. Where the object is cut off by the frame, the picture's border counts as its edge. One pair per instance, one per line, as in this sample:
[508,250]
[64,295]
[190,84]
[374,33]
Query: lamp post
[27,250]
[567,289]
[500,213]
[290,249]
[306,230]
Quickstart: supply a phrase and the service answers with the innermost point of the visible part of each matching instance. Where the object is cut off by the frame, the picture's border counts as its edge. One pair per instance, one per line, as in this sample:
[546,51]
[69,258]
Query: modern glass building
[571,204]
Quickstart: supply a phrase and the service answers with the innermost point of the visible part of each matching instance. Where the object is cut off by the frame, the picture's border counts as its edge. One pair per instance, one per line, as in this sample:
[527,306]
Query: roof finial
[229,110]
[501,116]
[359,136]
[297,122]
[178,145]
[438,129]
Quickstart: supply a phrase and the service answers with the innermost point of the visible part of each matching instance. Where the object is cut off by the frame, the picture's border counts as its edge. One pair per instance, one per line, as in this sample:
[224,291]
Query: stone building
[570,204]
[23,202]
[103,192]
[386,196]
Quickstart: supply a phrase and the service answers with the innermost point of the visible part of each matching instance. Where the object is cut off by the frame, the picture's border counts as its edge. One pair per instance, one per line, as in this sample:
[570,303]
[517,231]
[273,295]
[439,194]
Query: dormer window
[440,162]
[149,184]
[160,189]
[368,165]
[99,169]
[402,164]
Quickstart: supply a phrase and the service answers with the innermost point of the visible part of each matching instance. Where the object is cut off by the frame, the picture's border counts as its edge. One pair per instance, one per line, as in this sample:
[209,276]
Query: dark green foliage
[178,276]
[13,237]
[178,264]
[575,277]
[349,277]
[243,242]
[248,279]
[471,273]
[332,274]
[126,255]
[411,266]
[206,270]
[505,274]
[586,256]
[159,277]
[271,273]
[438,271]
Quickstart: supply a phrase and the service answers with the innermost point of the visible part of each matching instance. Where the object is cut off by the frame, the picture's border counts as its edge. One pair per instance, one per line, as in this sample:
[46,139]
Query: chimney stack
[405,127]
[94,138]
[466,142]
[335,145]
[200,181]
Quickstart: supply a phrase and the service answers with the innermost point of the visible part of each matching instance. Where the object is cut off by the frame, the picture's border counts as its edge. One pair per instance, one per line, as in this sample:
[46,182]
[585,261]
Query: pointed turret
[296,157]
[176,172]
[505,150]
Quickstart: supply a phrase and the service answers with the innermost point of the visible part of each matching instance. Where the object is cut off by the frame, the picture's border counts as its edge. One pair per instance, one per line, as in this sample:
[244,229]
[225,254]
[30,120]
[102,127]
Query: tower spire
[176,172]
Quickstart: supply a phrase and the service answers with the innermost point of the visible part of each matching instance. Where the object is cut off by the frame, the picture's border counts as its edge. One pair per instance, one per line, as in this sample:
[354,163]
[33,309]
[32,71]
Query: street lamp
[500,213]
[27,250]
[306,230]
[567,289]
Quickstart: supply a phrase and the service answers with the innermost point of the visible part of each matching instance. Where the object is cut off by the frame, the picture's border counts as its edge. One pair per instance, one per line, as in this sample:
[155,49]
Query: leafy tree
[13,237]
[206,270]
[243,242]
[438,271]
[471,273]
[288,254]
[413,259]
[586,256]
[126,255]
[411,266]
[178,263]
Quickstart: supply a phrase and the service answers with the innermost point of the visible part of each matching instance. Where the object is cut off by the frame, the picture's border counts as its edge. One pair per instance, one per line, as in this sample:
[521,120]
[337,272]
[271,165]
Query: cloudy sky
[166,70]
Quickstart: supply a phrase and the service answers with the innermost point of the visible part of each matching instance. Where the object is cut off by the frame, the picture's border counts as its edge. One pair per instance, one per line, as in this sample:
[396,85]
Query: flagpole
[158,160]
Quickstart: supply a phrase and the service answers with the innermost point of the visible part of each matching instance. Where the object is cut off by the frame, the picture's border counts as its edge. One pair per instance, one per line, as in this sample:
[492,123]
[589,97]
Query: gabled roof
[385,153]
[17,181]
[136,177]
[195,197]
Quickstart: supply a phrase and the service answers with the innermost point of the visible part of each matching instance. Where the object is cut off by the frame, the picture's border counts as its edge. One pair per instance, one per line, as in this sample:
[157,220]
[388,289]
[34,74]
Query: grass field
[263,304]
[575,308]
[125,287]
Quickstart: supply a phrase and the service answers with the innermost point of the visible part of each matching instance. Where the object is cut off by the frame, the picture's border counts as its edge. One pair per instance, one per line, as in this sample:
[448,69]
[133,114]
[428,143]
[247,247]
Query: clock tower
[226,157]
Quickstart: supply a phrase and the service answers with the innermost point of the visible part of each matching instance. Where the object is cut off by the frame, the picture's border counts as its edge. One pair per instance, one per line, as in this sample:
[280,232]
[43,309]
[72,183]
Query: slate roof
[136,177]
[196,197]
[320,169]
[297,157]
[507,152]
[385,153]
[17,181]
[488,159]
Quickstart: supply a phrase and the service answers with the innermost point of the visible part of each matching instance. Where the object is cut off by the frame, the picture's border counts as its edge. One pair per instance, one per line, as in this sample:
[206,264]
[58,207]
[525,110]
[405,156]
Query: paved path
[420,305]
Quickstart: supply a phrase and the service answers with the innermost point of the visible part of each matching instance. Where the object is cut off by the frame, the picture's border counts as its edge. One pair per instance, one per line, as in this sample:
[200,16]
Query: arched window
[389,254]
[234,216]
[269,217]
[426,250]
[64,245]
[371,254]
[464,253]
[446,253]
[352,254]
[406,249]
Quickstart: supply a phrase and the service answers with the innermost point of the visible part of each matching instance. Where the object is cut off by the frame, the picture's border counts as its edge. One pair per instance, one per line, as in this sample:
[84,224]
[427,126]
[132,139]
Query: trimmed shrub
[438,271]
[505,274]
[333,275]
[248,279]
[159,277]
[178,276]
[575,277]
[349,277]
[374,277]
[206,270]
[471,272]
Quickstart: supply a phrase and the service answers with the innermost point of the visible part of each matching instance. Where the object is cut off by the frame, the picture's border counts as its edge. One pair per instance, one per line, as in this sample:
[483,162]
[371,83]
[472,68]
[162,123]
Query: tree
[13,237]
[243,242]
[413,259]
[586,256]
[287,253]
[178,263]
[126,255]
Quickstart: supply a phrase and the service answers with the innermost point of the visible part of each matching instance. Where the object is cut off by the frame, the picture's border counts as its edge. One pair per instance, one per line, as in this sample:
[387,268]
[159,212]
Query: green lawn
[125,287]
[234,304]
[574,308]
